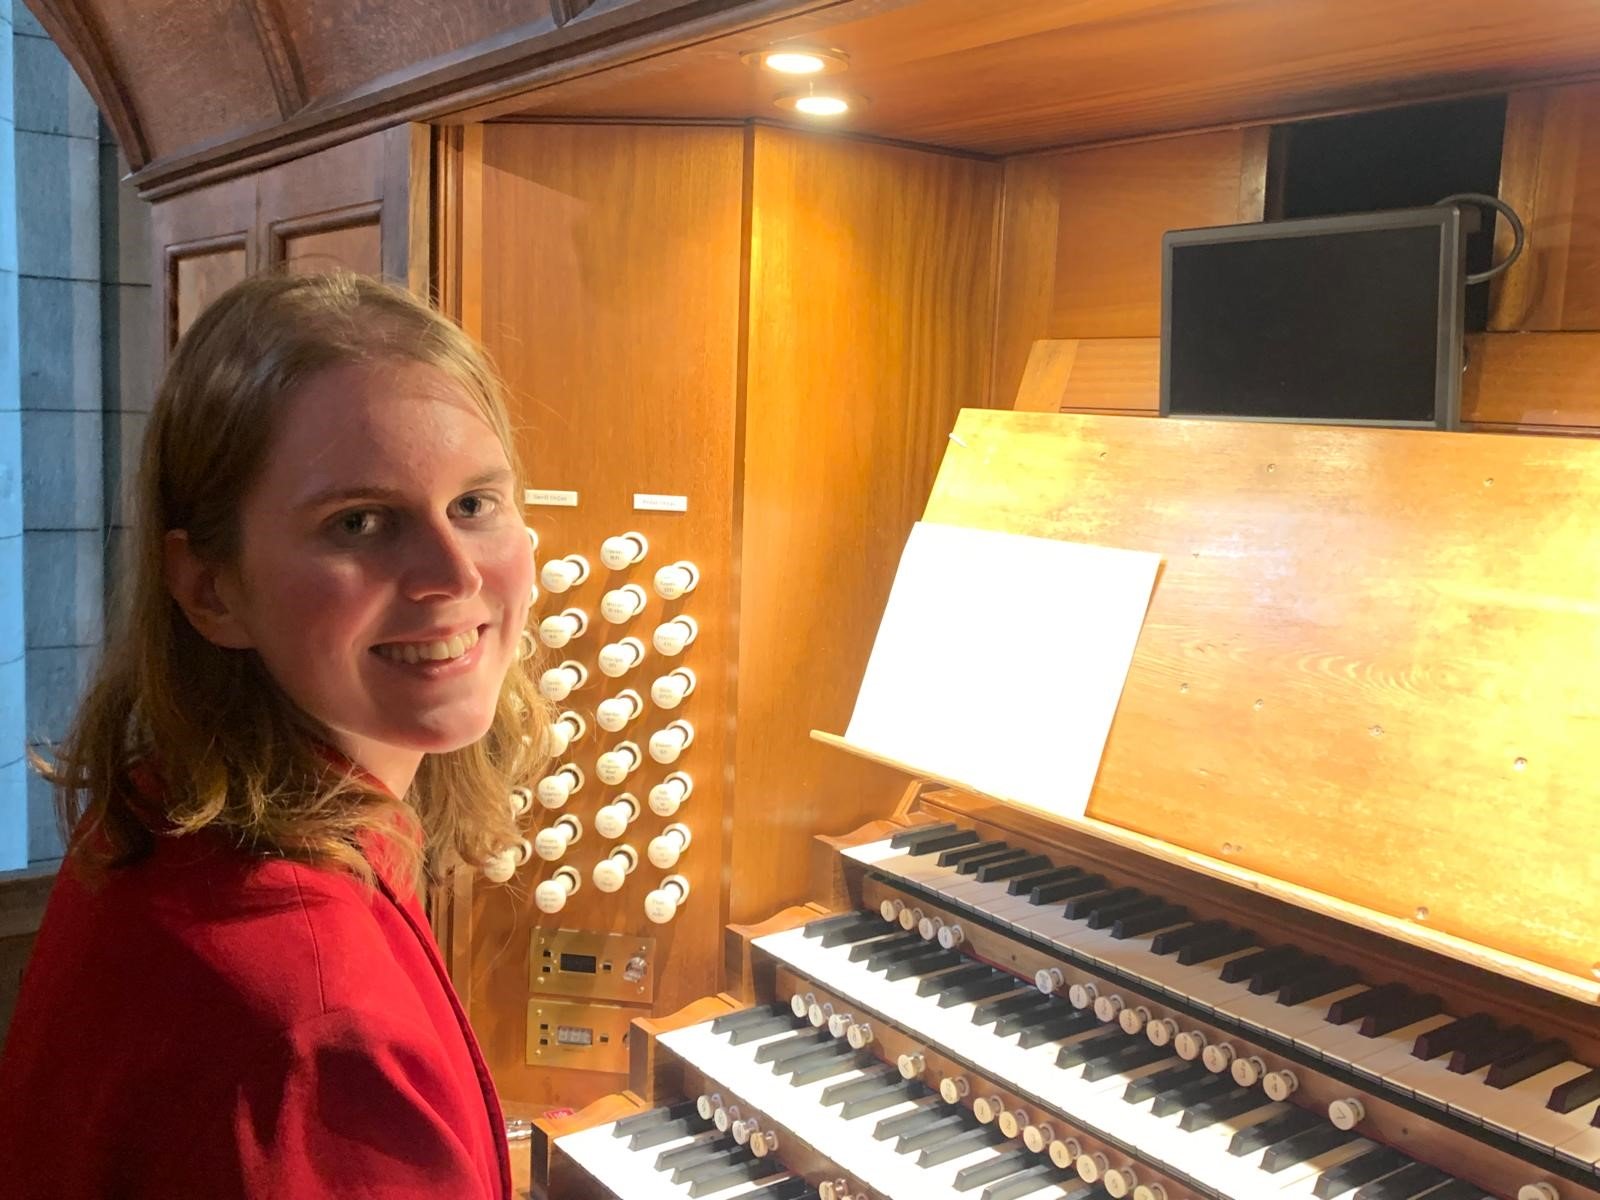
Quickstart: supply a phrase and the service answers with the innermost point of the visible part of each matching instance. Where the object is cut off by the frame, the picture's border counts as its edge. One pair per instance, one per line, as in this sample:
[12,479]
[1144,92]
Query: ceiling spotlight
[822,106]
[798,60]
[815,101]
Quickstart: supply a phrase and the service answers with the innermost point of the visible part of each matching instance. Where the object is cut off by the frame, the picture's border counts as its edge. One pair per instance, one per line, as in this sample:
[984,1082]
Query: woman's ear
[193,584]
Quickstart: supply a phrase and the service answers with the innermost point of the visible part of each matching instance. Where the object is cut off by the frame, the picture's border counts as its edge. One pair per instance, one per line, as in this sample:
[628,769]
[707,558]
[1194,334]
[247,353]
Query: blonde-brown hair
[233,753]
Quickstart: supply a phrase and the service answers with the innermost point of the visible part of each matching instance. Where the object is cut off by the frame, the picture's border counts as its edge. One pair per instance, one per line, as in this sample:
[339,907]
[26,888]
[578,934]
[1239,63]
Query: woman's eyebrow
[344,493]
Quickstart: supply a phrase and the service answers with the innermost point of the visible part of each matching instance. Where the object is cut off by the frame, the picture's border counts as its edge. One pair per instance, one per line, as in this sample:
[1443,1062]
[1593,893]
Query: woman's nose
[440,564]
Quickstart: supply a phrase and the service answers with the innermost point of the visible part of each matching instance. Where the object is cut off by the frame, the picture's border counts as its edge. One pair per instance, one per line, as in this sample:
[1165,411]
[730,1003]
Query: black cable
[1518,233]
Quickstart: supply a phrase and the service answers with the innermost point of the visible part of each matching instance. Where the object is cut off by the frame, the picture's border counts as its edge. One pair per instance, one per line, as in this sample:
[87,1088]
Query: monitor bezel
[1446,220]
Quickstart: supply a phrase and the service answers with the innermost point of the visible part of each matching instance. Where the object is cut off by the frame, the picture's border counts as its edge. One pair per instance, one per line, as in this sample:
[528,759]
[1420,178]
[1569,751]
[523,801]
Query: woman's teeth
[417,652]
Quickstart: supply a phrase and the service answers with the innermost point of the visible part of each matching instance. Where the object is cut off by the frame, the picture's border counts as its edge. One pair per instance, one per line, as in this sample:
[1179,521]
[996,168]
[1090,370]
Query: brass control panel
[597,966]
[578,1035]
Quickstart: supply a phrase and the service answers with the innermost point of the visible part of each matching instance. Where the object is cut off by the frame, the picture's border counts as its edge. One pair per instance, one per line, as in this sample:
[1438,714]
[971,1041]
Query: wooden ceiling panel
[1001,79]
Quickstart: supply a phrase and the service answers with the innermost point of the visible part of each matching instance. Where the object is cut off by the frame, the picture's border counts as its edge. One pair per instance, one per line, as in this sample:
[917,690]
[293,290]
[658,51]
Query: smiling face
[384,571]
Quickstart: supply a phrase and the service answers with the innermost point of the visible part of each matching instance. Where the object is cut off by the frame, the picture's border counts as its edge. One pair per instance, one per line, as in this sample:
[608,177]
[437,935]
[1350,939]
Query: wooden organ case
[1292,952]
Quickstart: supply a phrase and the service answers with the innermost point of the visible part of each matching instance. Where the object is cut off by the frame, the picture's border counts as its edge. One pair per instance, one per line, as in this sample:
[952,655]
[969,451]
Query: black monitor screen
[1334,323]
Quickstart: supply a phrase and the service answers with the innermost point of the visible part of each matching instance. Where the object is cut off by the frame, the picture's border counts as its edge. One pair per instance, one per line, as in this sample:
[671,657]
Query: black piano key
[1502,1044]
[1090,1049]
[1319,983]
[791,1187]
[936,959]
[1540,1056]
[671,1131]
[714,1165]
[865,1106]
[803,1042]
[955,976]
[1054,1030]
[960,854]
[990,1011]
[960,1145]
[1403,1184]
[904,1123]
[1190,1094]
[1215,945]
[1452,1036]
[1456,1189]
[1033,1179]
[1024,884]
[1010,868]
[863,929]
[1248,966]
[826,1069]
[768,1028]
[1397,1016]
[997,985]
[1273,1130]
[1154,1084]
[823,1055]
[907,838]
[1353,1172]
[1174,940]
[1080,907]
[1374,999]
[890,941]
[1052,893]
[1303,1147]
[1148,921]
[880,960]
[970,866]
[951,1125]
[1108,915]
[944,843]
[698,1151]
[822,925]
[1139,1053]
[853,1089]
[998,1167]
[628,1126]
[1020,1018]
[747,1016]
[1271,977]
[747,1171]
[1220,1108]
[1575,1093]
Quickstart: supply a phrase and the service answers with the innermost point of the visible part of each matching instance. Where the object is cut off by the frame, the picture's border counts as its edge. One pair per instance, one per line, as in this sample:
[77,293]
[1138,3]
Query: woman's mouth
[430,652]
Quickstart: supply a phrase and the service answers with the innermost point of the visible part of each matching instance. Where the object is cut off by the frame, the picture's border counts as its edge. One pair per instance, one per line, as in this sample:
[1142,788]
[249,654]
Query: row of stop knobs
[745,1130]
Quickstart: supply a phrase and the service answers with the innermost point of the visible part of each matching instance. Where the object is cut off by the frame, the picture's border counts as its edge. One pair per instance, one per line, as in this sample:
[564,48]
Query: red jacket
[208,1024]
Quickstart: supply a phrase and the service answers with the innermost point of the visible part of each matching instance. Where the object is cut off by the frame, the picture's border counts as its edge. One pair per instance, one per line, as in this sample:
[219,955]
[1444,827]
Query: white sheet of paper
[1001,659]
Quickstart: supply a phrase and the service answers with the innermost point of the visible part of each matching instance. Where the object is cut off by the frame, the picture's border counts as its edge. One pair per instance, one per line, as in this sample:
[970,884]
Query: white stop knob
[1082,995]
[799,1004]
[1048,979]
[562,680]
[889,910]
[763,1142]
[910,918]
[669,690]
[613,714]
[662,904]
[952,936]
[503,865]
[555,789]
[1280,1085]
[743,1130]
[1106,1008]
[618,763]
[1064,1152]
[707,1103]
[551,895]
[1247,1072]
[724,1117]
[1120,1181]
[665,849]
[818,1014]
[560,629]
[612,821]
[1217,1057]
[612,871]
[668,795]
[1161,1032]
[1538,1190]
[910,1065]
[987,1108]
[622,604]
[563,574]
[1189,1043]
[676,579]
[616,659]
[533,538]
[1347,1113]
[859,1036]
[569,727]
[1012,1121]
[928,928]
[1038,1137]
[671,637]
[952,1088]
[839,1024]
[521,800]
[623,550]
[667,744]
[1091,1167]
[551,843]
[1149,1191]
[1133,1020]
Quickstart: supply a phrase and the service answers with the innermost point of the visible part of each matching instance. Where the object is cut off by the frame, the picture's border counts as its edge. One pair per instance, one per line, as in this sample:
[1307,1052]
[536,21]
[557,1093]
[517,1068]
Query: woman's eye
[476,505]
[361,522]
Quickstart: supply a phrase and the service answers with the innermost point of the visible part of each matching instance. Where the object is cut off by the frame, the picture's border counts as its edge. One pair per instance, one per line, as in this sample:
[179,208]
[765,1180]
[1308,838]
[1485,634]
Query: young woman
[315,702]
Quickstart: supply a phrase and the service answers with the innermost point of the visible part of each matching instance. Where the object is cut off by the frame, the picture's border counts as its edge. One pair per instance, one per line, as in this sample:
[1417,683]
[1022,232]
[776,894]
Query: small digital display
[574,1035]
[580,964]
